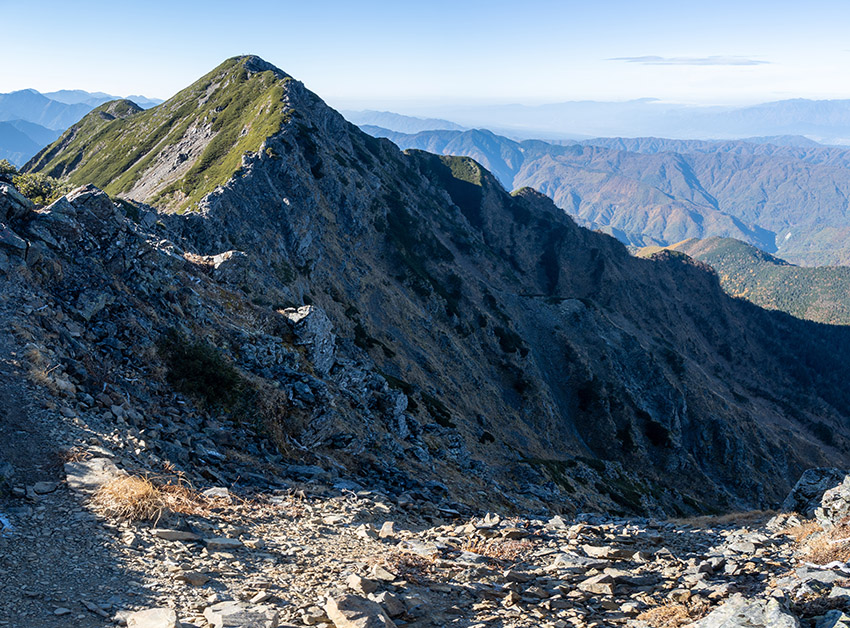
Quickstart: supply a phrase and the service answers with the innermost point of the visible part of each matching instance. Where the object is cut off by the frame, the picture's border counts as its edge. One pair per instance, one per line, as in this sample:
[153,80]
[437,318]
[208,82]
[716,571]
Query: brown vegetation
[675,614]
[503,550]
[137,498]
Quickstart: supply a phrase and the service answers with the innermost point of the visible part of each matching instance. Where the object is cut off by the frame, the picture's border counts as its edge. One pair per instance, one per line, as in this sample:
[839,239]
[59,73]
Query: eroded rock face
[238,615]
[314,330]
[231,267]
[834,505]
[518,345]
[806,495]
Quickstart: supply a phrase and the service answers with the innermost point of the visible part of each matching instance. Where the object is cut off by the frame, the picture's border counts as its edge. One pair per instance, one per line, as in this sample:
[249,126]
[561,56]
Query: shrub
[201,371]
[7,168]
[40,188]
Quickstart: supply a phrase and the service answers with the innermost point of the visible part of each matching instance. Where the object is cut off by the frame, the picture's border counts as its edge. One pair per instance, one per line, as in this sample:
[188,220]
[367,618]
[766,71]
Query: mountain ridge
[523,345]
[648,191]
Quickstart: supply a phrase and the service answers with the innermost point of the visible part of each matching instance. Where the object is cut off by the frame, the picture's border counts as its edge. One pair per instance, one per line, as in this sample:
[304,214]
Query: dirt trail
[55,556]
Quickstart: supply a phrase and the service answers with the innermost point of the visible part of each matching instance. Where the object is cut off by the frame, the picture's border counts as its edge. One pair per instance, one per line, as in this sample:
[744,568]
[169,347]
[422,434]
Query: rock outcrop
[805,498]
[834,505]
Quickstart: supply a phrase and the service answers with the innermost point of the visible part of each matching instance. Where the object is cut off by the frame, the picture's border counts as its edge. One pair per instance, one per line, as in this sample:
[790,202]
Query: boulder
[806,495]
[231,267]
[314,330]
[834,505]
[353,611]
[13,204]
[11,241]
[834,619]
[740,612]
[95,200]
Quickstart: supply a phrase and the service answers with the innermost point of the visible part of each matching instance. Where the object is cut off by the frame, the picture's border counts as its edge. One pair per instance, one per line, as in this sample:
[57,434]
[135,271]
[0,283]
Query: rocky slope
[789,198]
[285,546]
[456,331]
[818,294]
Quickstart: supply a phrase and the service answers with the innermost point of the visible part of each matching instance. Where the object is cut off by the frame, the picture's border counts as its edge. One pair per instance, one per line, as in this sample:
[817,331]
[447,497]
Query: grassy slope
[241,108]
[820,294]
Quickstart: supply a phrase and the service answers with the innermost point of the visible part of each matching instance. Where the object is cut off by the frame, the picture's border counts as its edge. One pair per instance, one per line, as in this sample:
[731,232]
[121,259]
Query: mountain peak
[253,63]
[178,152]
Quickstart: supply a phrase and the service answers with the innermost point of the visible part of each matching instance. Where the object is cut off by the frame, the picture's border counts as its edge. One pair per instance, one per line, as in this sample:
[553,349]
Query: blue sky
[409,54]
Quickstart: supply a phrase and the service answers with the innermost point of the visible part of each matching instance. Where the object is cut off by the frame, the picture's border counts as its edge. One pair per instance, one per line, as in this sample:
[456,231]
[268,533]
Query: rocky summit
[261,368]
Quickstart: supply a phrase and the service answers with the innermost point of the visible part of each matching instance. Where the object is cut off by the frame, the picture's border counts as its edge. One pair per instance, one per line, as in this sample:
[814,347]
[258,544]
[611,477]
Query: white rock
[153,618]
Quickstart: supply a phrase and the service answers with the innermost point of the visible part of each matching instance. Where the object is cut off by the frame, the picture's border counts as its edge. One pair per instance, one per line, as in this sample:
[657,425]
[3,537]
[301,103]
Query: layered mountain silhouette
[527,346]
[783,195]
[30,120]
[827,121]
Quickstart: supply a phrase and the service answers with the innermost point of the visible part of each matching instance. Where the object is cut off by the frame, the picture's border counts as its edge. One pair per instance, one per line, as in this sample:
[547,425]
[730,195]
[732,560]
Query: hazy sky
[395,54]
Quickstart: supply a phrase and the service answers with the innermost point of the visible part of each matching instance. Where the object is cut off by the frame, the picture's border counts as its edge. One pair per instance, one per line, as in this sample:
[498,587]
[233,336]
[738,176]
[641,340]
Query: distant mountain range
[785,195]
[400,123]
[819,294]
[20,140]
[29,120]
[826,121]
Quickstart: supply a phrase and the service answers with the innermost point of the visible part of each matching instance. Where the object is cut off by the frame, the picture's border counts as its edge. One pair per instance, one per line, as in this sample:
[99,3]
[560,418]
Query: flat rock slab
[238,615]
[89,475]
[175,535]
[152,618]
[352,611]
[223,543]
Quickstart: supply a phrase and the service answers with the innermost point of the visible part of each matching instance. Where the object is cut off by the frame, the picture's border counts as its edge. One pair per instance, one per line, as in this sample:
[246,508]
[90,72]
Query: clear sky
[393,54]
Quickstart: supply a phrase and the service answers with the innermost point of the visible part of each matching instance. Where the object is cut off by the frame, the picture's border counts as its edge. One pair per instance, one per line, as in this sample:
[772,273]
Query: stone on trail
[153,618]
[352,611]
[219,543]
[175,535]
[236,615]
[89,475]
[360,585]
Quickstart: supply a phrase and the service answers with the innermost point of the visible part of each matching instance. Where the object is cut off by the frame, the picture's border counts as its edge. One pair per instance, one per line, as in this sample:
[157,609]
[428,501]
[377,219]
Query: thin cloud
[713,60]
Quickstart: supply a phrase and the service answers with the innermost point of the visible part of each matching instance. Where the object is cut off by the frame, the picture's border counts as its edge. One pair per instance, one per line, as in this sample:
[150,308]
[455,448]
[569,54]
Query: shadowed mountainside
[528,348]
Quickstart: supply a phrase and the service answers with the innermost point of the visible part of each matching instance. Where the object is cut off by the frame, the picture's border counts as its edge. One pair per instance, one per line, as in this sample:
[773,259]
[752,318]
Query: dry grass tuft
[752,517]
[814,605]
[137,498]
[130,497]
[819,546]
[73,454]
[667,616]
[803,531]
[503,550]
[828,547]
[675,614]
[411,567]
[40,369]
